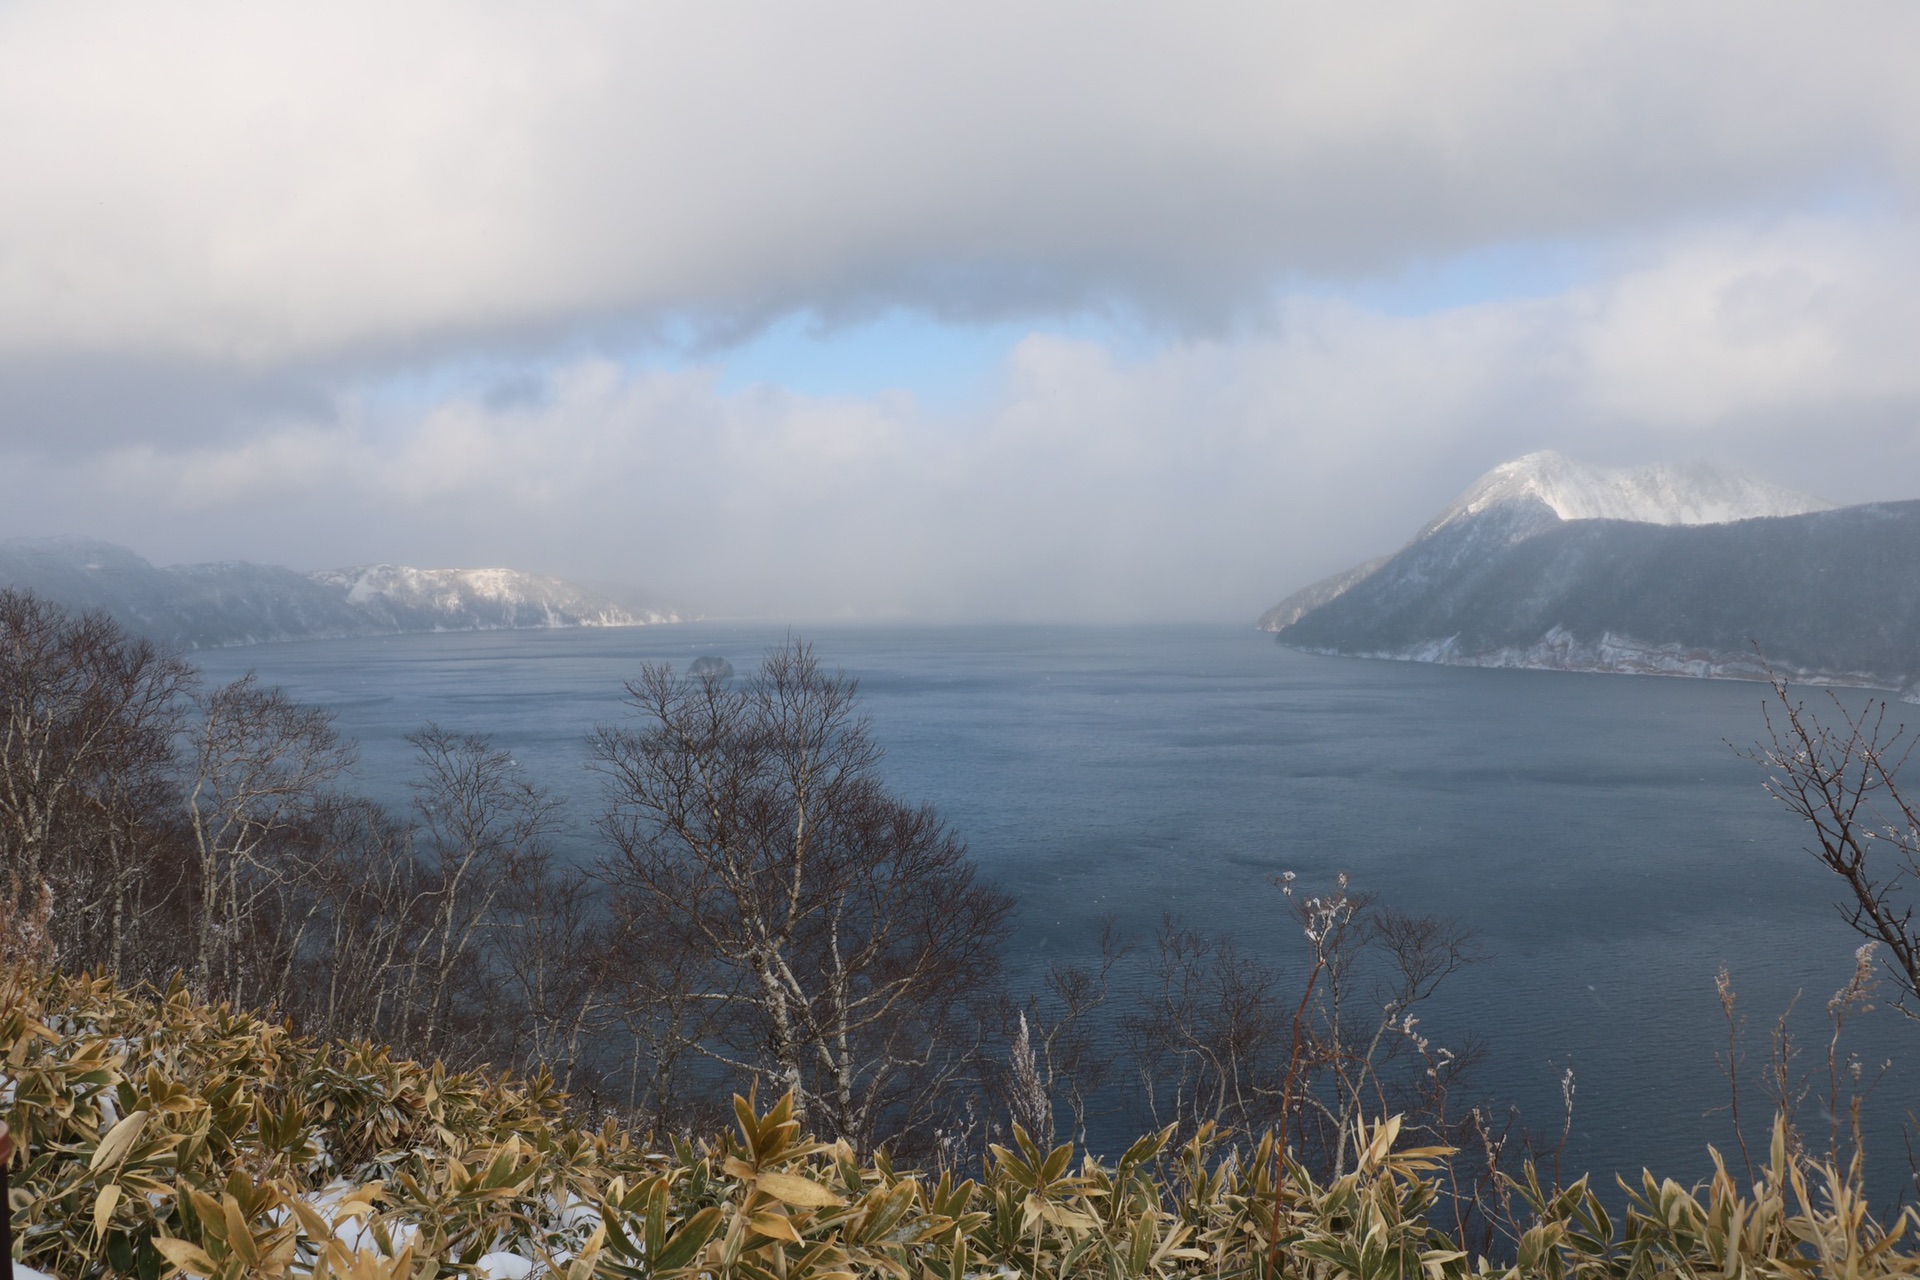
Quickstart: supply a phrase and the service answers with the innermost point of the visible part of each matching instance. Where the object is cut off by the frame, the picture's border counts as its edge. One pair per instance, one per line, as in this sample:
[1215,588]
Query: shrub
[158,1135]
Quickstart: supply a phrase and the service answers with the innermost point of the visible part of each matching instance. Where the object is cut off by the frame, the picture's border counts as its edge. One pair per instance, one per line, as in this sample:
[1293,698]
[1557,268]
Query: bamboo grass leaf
[118,1141]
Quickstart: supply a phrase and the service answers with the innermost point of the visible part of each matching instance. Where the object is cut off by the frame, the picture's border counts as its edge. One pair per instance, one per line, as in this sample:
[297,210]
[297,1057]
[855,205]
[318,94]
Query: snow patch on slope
[1613,654]
[467,599]
[1666,493]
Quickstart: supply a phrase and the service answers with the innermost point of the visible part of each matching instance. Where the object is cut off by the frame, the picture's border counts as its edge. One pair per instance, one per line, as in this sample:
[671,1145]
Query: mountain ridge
[232,602]
[1821,594]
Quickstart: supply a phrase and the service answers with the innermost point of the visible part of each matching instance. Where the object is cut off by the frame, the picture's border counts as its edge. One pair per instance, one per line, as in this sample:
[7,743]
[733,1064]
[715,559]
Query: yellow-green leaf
[119,1140]
[797,1191]
[185,1256]
[315,1226]
[686,1242]
[239,1238]
[103,1206]
[775,1226]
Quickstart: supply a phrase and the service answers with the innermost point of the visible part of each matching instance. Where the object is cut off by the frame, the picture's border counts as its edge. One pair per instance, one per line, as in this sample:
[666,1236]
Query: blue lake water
[1609,845]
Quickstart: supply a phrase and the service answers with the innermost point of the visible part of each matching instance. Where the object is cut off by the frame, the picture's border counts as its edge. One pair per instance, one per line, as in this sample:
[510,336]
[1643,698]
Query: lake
[1600,833]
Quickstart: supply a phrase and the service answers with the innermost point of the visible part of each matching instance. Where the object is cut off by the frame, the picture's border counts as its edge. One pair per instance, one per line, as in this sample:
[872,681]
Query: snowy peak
[1666,493]
[1672,570]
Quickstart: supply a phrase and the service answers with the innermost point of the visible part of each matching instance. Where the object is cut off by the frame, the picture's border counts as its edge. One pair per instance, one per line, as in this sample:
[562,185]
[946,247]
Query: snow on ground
[1560,650]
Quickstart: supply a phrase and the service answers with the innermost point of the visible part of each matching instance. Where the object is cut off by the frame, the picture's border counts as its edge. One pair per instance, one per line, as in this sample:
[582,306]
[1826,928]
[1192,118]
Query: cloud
[1247,290]
[1203,478]
[1799,317]
[254,187]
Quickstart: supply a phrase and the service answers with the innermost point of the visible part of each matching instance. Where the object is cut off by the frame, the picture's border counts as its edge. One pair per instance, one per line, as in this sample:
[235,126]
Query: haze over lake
[1599,831]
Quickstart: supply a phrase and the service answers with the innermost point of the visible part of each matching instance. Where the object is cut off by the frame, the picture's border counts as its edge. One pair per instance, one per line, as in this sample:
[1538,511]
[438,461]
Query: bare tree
[553,952]
[1376,966]
[87,718]
[127,868]
[670,998]
[483,833]
[1229,1037]
[1056,1058]
[1209,1038]
[840,935]
[261,763]
[1840,777]
[449,937]
[359,922]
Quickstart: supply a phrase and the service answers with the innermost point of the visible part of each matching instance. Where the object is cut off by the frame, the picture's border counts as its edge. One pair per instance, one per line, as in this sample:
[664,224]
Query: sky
[1101,311]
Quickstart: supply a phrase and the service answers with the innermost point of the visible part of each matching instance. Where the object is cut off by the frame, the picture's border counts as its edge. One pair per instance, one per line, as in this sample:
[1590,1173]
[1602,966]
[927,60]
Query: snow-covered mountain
[236,602]
[1691,493]
[1691,570]
[480,599]
[1540,491]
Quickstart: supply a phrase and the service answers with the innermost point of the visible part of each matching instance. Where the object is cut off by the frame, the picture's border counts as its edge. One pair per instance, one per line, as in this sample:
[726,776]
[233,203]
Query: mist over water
[1609,845]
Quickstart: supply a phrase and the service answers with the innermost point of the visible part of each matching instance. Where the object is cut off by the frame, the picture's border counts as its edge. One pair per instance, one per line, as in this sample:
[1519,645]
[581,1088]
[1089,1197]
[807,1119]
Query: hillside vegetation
[158,1135]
